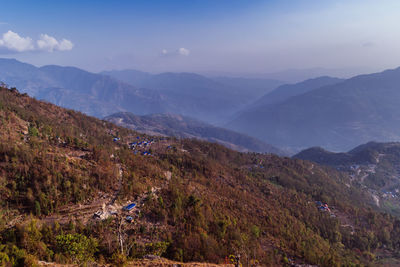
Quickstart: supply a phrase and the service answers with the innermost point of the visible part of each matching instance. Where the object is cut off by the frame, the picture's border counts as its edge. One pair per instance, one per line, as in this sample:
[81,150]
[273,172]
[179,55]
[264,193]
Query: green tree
[77,246]
[33,131]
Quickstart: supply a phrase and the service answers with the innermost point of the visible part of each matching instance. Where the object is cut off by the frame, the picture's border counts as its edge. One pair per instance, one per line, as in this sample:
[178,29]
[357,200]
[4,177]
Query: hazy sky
[203,35]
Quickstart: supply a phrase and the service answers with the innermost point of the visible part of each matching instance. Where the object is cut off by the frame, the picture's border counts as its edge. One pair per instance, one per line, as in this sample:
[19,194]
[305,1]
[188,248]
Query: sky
[226,36]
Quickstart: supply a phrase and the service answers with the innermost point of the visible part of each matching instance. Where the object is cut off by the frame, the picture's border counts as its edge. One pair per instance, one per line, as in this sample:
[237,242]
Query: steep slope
[185,127]
[65,178]
[375,166]
[336,117]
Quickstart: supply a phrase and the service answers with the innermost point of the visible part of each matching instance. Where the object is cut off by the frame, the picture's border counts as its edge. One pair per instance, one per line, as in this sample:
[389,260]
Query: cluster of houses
[139,146]
[142,145]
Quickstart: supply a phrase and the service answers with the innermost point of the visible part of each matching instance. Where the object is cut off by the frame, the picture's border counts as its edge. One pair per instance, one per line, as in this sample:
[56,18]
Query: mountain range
[333,113]
[101,95]
[336,116]
[284,92]
[209,99]
[70,87]
[185,127]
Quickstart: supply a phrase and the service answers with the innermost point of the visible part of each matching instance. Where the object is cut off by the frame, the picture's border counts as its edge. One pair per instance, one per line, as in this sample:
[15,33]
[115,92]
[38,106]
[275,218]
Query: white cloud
[183,51]
[50,44]
[13,42]
[179,52]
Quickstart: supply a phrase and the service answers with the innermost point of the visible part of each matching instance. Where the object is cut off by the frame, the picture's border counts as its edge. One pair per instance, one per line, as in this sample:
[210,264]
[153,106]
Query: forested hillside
[374,166]
[65,178]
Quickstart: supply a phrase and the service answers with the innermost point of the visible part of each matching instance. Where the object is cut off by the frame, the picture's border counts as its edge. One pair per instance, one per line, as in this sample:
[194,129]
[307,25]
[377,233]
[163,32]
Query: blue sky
[203,35]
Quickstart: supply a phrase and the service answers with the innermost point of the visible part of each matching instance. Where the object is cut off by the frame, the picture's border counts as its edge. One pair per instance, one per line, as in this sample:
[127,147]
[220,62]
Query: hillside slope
[375,166]
[185,127]
[65,178]
[336,117]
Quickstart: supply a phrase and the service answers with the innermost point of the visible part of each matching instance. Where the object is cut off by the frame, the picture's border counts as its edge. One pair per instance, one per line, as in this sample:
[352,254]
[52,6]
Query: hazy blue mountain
[185,127]
[209,99]
[134,77]
[295,75]
[196,96]
[298,75]
[336,117]
[285,91]
[100,95]
[23,75]
[254,87]
[102,88]
[70,87]
[250,88]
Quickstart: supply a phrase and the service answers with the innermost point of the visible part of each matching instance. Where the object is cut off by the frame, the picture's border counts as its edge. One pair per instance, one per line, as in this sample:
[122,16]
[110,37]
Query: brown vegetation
[197,201]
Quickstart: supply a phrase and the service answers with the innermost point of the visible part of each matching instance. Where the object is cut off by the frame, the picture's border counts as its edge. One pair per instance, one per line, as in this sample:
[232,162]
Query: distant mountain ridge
[286,91]
[185,127]
[213,99]
[101,95]
[254,88]
[337,116]
[70,87]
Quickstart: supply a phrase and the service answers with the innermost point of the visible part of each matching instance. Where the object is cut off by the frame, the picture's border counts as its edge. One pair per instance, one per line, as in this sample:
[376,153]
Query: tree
[77,246]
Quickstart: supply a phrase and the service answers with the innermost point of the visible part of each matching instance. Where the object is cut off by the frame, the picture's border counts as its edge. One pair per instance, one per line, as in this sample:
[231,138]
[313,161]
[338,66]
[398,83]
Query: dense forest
[196,201]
